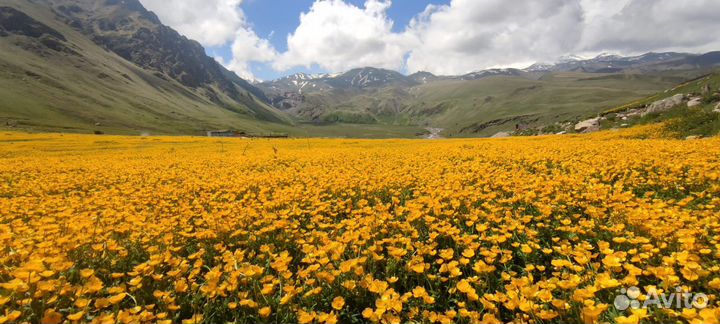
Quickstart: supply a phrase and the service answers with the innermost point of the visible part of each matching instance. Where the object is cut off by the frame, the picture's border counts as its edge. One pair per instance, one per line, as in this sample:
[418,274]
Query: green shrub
[696,122]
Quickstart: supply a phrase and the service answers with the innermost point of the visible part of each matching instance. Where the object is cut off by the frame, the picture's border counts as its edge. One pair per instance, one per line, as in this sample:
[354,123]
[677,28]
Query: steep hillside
[111,66]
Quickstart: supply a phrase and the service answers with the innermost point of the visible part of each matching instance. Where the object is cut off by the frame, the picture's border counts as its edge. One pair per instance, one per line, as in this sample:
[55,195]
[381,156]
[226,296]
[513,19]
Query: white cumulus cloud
[210,22]
[467,35]
[337,36]
[654,25]
[248,47]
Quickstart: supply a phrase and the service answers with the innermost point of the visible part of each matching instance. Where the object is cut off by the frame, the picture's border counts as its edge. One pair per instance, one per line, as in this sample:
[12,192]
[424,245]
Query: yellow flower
[86,273]
[93,285]
[526,249]
[418,268]
[51,317]
[76,316]
[305,317]
[715,283]
[117,298]
[447,254]
[591,313]
[195,319]
[468,253]
[419,292]
[627,320]
[10,317]
[265,312]
[181,286]
[338,303]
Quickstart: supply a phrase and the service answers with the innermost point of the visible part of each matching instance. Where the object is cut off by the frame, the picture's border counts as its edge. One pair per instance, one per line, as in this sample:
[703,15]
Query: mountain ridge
[112,66]
[287,92]
[568,63]
[464,104]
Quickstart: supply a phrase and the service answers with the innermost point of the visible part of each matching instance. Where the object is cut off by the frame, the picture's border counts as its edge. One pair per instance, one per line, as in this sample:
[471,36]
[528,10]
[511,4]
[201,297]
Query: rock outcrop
[501,135]
[587,126]
[664,104]
[632,113]
[696,101]
[17,22]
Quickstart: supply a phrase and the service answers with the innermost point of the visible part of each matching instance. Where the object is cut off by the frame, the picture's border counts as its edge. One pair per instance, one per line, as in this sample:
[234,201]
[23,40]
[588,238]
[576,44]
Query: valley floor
[192,229]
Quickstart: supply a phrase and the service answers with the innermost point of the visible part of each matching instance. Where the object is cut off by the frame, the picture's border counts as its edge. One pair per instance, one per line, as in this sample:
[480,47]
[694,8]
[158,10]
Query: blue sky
[267,39]
[275,19]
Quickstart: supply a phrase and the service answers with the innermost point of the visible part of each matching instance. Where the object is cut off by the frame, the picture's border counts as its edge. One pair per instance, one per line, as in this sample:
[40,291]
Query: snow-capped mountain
[299,83]
[608,63]
[540,67]
[569,58]
[288,92]
[360,78]
[490,72]
[369,77]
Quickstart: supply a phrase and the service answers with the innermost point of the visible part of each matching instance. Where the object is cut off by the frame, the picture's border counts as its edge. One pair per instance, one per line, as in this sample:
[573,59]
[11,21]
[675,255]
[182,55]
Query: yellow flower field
[108,229]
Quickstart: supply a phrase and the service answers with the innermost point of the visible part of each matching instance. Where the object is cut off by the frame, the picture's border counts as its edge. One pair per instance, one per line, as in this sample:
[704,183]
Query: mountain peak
[422,77]
[607,57]
[539,67]
[491,72]
[569,58]
[300,76]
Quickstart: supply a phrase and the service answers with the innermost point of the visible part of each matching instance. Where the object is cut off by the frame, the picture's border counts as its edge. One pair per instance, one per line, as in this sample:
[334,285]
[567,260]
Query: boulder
[501,135]
[695,101]
[632,113]
[692,137]
[664,104]
[590,125]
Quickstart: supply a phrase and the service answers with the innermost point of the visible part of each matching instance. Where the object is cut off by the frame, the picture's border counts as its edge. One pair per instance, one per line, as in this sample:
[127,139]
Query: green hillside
[495,104]
[486,106]
[681,121]
[82,87]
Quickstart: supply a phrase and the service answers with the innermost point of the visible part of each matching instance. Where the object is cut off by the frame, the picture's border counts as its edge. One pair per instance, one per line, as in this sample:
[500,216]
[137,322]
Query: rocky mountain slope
[358,79]
[111,65]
